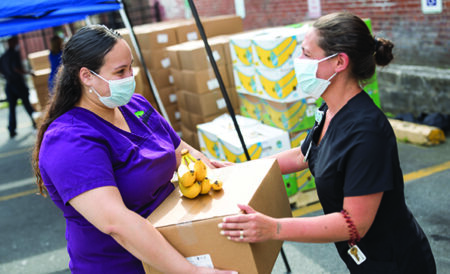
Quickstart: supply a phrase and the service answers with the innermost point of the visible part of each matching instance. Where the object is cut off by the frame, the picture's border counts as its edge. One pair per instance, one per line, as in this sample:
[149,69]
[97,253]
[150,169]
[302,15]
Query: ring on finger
[241,233]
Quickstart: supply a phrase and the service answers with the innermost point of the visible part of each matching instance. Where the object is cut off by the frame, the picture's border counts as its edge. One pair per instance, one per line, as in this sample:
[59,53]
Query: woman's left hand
[251,226]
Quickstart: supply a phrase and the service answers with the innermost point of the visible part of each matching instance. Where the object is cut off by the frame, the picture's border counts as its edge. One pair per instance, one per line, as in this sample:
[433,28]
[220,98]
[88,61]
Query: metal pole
[218,76]
[225,96]
[124,14]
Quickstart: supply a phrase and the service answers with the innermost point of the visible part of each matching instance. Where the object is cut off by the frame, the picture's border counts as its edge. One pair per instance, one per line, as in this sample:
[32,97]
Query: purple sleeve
[76,161]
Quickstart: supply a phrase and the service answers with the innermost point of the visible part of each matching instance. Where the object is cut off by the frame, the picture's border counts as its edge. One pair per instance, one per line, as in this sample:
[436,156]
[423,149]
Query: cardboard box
[277,47]
[187,31]
[173,113]
[39,60]
[193,55]
[206,104]
[245,79]
[189,136]
[172,53]
[203,81]
[222,24]
[191,225]
[162,78]
[40,83]
[177,78]
[218,139]
[191,119]
[156,59]
[168,95]
[292,117]
[152,36]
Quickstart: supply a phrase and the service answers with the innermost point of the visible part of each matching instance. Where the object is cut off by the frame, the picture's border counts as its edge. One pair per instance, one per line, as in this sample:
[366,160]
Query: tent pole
[225,96]
[124,14]
[218,77]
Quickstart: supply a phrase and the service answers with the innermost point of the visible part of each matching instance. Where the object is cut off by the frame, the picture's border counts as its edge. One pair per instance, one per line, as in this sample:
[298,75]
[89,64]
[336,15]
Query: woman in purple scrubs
[106,157]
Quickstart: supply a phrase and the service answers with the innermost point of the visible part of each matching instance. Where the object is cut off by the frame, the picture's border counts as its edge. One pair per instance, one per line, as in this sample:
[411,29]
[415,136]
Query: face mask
[121,91]
[306,70]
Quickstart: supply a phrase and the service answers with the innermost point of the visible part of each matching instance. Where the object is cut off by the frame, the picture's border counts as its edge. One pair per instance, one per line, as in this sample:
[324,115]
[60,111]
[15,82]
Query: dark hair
[87,48]
[347,33]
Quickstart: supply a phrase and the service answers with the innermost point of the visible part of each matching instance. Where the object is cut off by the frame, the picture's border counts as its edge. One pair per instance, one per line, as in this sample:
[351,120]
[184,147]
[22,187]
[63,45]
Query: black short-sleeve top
[358,156]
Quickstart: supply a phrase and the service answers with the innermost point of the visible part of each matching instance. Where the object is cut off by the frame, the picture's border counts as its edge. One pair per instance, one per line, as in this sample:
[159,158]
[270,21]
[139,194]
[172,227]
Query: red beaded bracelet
[354,236]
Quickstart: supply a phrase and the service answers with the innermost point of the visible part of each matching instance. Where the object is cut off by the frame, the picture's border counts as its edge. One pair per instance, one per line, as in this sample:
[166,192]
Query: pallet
[302,199]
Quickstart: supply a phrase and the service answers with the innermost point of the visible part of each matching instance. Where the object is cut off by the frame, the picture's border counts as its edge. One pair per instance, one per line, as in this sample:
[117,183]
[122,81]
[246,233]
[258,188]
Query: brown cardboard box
[162,78]
[207,104]
[191,225]
[223,24]
[167,95]
[203,81]
[173,113]
[152,36]
[193,56]
[142,85]
[187,31]
[223,40]
[39,60]
[172,53]
[177,78]
[190,119]
[189,136]
[156,59]
[40,83]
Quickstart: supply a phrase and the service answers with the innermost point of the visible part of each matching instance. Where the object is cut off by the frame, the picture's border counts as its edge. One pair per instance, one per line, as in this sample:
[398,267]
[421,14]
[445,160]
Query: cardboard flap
[242,180]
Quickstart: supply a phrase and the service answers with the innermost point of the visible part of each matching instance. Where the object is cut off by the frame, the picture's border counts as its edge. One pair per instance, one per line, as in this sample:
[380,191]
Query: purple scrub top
[81,151]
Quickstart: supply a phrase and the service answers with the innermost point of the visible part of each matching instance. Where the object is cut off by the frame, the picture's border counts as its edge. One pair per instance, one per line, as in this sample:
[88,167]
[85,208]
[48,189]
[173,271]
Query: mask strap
[332,76]
[328,57]
[99,76]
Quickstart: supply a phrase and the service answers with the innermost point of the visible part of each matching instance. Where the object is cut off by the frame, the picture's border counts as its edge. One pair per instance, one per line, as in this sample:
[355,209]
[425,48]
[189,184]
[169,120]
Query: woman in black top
[352,153]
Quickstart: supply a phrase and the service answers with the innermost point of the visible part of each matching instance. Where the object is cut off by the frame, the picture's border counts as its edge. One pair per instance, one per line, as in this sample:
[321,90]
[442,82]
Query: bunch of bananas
[192,177]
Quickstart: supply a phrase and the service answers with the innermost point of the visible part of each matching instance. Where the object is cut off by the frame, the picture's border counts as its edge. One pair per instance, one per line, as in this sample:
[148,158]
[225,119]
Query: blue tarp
[19,16]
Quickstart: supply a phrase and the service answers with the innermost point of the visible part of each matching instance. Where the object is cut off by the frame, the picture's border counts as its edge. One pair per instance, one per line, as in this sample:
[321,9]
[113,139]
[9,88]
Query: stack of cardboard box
[41,66]
[266,82]
[198,94]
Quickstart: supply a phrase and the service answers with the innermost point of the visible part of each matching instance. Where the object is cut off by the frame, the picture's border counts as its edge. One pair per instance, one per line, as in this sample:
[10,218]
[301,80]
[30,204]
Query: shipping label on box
[191,226]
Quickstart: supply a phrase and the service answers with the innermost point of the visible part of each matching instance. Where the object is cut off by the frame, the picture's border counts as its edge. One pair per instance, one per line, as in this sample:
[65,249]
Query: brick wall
[419,39]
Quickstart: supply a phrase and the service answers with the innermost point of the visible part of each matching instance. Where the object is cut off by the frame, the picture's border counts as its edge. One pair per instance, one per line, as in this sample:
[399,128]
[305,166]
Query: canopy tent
[27,15]
[22,16]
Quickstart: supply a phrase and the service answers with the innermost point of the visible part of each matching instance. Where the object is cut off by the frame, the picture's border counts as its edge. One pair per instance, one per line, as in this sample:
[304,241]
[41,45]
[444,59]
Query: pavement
[32,228]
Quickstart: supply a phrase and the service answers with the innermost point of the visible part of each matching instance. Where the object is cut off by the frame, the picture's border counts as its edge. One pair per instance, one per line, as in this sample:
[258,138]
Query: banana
[198,166]
[192,191]
[217,185]
[186,177]
[206,186]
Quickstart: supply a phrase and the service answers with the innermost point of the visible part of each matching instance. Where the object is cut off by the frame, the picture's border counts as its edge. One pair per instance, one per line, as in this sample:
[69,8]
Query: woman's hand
[219,164]
[251,226]
[205,270]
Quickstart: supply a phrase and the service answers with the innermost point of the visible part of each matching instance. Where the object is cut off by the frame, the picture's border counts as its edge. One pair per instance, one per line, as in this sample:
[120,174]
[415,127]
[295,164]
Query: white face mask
[121,91]
[306,70]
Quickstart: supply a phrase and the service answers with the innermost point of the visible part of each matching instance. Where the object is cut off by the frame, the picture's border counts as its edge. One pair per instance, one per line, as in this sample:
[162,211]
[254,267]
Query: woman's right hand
[219,164]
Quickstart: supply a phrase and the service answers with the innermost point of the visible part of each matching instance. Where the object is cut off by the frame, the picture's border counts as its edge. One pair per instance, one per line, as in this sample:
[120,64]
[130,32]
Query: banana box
[208,133]
[191,225]
[261,141]
[245,79]
[277,84]
[241,47]
[298,137]
[290,182]
[251,106]
[305,180]
[292,117]
[277,47]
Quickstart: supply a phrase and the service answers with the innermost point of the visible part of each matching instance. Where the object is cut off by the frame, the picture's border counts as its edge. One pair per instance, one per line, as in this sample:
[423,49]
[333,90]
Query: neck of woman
[337,95]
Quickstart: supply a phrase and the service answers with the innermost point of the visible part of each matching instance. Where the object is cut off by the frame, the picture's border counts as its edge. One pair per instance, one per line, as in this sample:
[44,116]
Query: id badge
[356,254]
